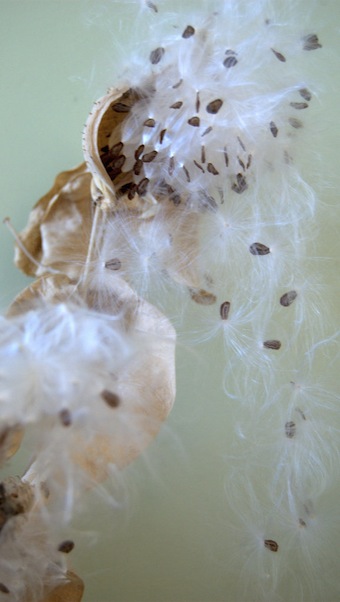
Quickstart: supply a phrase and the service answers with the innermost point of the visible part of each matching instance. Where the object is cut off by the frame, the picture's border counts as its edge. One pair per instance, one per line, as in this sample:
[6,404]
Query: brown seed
[241,163]
[176,105]
[188,32]
[120,107]
[241,143]
[118,162]
[203,154]
[271,545]
[142,186]
[288,298]
[273,129]
[113,264]
[171,168]
[207,131]
[148,157]
[137,168]
[194,121]
[4,589]
[279,56]
[139,151]
[290,429]
[112,399]
[199,166]
[224,310]
[295,123]
[230,61]
[299,105]
[66,546]
[250,157]
[226,158]
[186,173]
[105,149]
[156,55]
[202,297]
[257,248]
[152,6]
[117,149]
[65,417]
[149,123]
[198,102]
[240,185]
[305,93]
[214,106]
[178,84]
[311,42]
[302,523]
[212,169]
[161,136]
[272,344]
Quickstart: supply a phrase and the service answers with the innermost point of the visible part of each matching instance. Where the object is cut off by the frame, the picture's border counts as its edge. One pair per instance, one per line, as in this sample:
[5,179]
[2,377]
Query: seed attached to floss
[214,106]
[212,169]
[149,123]
[299,105]
[288,298]
[311,42]
[290,429]
[65,417]
[257,248]
[148,157]
[279,55]
[272,344]
[271,545]
[142,186]
[240,185]
[194,121]
[139,151]
[110,398]
[187,175]
[306,94]
[224,310]
[198,102]
[188,32]
[207,131]
[199,166]
[4,589]
[231,59]
[176,105]
[156,55]
[161,136]
[113,264]
[295,123]
[202,297]
[137,168]
[273,129]
[66,546]
[120,107]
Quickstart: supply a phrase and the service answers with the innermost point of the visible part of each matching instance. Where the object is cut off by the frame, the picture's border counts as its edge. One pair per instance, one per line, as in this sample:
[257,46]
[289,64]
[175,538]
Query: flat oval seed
[271,545]
[214,106]
[311,42]
[212,169]
[113,264]
[156,55]
[137,168]
[148,157]
[273,129]
[150,123]
[194,121]
[120,107]
[176,105]
[230,61]
[257,248]
[139,151]
[224,310]
[66,546]
[65,417]
[290,429]
[279,55]
[4,589]
[188,32]
[272,344]
[240,185]
[295,123]
[202,297]
[299,105]
[142,186]
[110,398]
[305,93]
[288,298]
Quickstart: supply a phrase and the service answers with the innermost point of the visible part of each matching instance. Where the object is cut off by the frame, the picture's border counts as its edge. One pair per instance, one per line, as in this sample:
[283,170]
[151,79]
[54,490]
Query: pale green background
[168,541]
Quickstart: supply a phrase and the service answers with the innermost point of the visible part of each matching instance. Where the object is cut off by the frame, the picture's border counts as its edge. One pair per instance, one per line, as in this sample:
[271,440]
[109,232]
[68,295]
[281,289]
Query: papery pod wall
[238,498]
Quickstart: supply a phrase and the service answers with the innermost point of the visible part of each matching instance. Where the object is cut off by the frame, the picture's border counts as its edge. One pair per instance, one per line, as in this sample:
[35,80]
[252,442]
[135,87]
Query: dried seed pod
[258,248]
[202,297]
[66,546]
[188,32]
[149,123]
[194,121]
[214,106]
[271,545]
[113,264]
[295,123]
[224,310]
[290,429]
[230,61]
[156,55]
[288,298]
[240,185]
[311,42]
[299,105]
[272,344]
[148,157]
[273,129]
[279,55]
[65,417]
[306,94]
[176,105]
